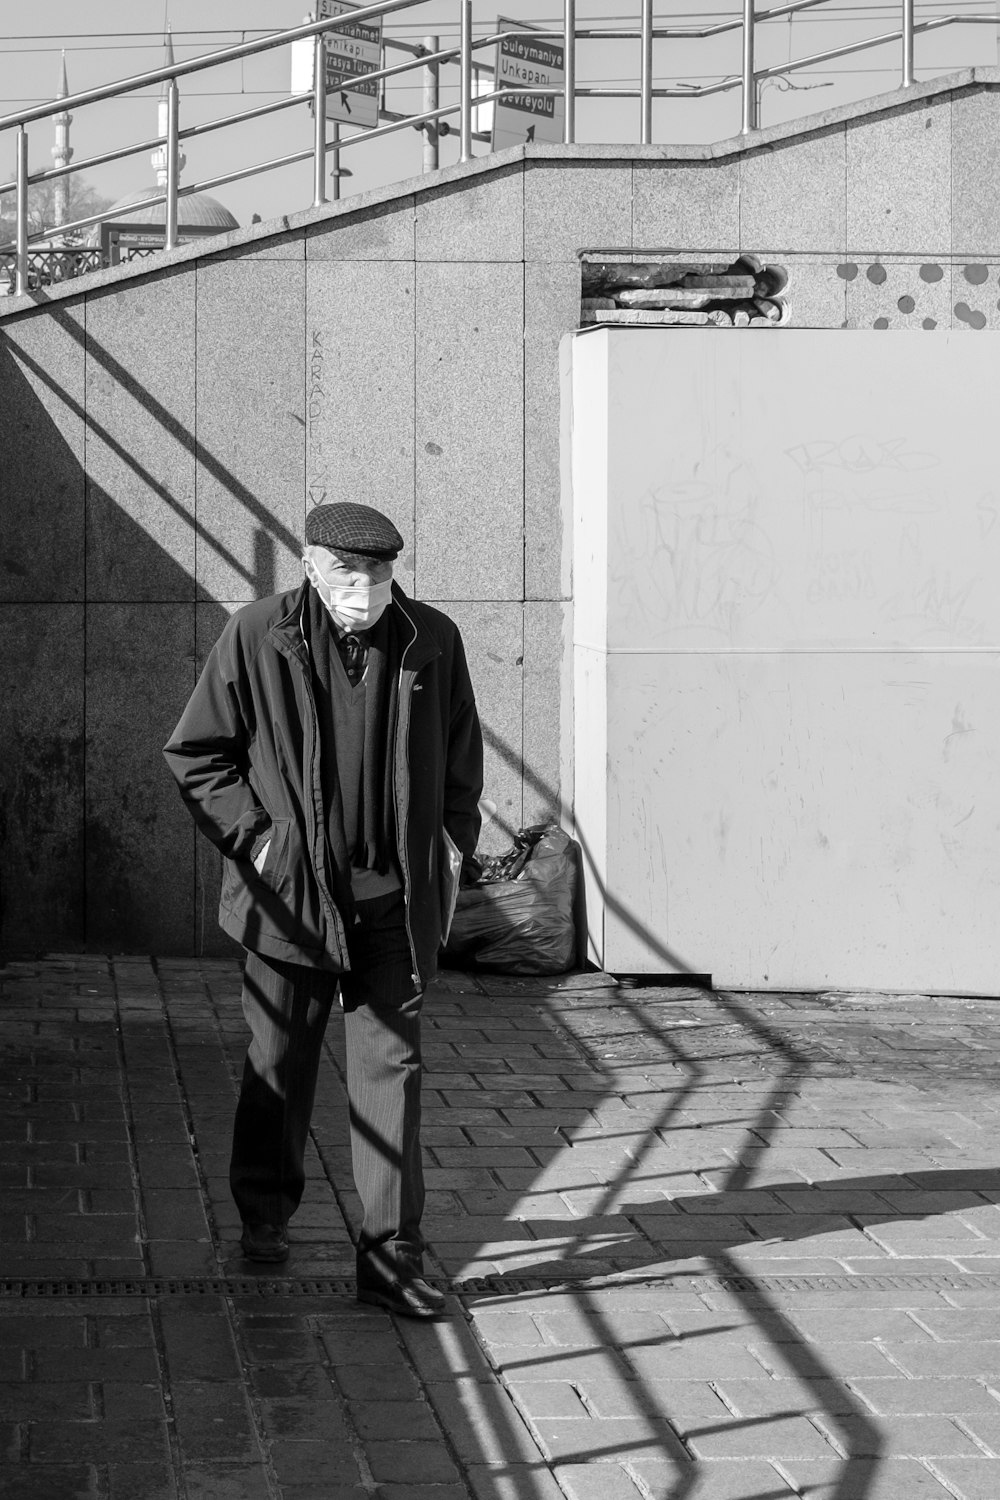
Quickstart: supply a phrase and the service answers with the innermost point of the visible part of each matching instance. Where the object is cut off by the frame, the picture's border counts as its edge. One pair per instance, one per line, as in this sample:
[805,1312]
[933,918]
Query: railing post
[465,82]
[431,102]
[569,64]
[646,75]
[749,81]
[907,79]
[21,262]
[319,121]
[173,106]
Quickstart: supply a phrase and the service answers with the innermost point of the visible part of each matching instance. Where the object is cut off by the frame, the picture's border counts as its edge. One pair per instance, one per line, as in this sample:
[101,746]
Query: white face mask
[353,606]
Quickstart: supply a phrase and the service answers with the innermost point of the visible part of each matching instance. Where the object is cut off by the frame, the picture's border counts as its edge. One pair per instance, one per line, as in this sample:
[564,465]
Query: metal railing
[431,120]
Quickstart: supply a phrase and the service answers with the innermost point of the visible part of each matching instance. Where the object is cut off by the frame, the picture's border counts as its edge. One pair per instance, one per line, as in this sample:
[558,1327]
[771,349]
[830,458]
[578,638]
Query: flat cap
[346,527]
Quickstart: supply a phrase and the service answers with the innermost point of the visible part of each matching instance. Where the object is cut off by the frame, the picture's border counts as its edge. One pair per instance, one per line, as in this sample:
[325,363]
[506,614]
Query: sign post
[532,61]
[351,51]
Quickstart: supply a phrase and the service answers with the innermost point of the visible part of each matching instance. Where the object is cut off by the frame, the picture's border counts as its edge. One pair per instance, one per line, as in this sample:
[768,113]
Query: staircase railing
[432,120]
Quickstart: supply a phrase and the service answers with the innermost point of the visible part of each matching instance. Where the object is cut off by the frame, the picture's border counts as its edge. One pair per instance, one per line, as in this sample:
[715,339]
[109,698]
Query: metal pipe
[170,224]
[446,55]
[646,75]
[431,102]
[335,146]
[405,123]
[465,83]
[907,79]
[205,60]
[569,65]
[21,269]
[749,121]
[319,123]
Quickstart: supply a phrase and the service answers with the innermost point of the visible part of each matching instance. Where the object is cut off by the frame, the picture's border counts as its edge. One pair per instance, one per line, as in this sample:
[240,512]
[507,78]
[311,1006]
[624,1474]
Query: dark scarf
[376,822]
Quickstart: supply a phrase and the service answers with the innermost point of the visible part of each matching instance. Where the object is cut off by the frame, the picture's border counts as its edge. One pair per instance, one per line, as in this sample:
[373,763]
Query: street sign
[528,60]
[351,51]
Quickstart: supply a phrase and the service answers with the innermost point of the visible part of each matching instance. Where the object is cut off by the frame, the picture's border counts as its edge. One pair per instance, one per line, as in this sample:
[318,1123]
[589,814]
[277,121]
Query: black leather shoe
[407,1294]
[265,1242]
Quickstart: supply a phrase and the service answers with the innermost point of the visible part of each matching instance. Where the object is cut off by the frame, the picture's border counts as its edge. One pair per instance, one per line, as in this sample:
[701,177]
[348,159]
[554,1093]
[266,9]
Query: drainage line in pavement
[495,1286]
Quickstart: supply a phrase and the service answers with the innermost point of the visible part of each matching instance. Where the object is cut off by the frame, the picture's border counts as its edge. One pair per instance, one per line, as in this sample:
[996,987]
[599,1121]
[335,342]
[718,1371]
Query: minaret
[62,153]
[159,157]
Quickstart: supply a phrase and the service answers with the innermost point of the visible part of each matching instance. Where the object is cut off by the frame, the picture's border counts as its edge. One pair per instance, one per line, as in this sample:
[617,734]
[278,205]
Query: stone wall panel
[573,207]
[251,427]
[899,182]
[141,403]
[41,456]
[689,206]
[139,836]
[473,221]
[41,790]
[493,635]
[793,196]
[360,331]
[469,431]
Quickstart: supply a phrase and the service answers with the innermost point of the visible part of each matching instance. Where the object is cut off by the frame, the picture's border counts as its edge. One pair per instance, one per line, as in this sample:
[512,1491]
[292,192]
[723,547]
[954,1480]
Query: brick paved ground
[704,1247]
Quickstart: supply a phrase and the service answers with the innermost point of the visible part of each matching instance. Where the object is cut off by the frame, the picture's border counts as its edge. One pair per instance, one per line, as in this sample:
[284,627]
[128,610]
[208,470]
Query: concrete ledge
[239,241]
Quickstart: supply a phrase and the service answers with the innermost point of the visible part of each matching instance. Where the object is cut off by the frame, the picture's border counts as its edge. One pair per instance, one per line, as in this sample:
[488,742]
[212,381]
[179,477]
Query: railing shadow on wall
[97,886]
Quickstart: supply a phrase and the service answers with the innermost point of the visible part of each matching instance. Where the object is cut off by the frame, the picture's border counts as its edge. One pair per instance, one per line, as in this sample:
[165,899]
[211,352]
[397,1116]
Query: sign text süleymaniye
[532,62]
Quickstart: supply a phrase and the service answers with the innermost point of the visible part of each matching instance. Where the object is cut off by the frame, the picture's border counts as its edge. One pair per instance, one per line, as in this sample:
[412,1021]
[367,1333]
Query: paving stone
[984,1427]
[512,1482]
[135,1364]
[377,1383]
[481,1422]
[97,1441]
[395,1421]
[211,1481]
[417,1491]
[597,1481]
[864,1478]
[212,1420]
[916,1437]
[322,1420]
[51,1482]
[148,1480]
[566,1441]
[41,1332]
[408,1462]
[971,1478]
[303,1461]
[27,1401]
[549,1398]
[973,1361]
[711,1481]
[198,1344]
[904,1396]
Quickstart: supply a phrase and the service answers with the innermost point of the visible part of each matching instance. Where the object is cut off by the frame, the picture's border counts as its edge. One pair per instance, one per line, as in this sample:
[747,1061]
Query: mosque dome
[198,214]
[195,211]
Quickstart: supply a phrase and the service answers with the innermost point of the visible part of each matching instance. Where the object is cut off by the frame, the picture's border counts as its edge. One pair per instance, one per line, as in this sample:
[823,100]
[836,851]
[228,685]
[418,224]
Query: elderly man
[332,751]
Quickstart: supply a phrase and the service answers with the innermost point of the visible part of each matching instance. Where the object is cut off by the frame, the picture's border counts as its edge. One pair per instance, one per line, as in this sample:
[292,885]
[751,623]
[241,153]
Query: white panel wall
[787,655]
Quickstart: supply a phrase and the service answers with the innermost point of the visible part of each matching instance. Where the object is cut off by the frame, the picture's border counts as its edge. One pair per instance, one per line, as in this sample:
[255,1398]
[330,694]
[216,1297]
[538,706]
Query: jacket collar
[289,637]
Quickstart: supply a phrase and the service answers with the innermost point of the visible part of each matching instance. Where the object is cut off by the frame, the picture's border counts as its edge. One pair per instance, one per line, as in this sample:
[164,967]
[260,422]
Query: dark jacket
[246,755]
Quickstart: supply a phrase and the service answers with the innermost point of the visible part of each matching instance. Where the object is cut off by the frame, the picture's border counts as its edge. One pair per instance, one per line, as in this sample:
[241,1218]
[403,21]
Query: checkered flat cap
[345,527]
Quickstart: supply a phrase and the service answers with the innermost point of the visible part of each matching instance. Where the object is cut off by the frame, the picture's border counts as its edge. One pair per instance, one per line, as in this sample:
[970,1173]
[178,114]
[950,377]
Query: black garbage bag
[518,917]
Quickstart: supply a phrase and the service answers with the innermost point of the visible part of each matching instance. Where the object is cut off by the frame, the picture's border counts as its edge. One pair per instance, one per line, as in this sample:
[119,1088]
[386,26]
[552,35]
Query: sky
[106,40]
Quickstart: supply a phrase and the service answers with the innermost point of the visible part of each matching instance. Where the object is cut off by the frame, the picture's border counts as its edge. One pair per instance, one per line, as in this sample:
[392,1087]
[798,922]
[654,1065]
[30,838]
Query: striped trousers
[287,1007]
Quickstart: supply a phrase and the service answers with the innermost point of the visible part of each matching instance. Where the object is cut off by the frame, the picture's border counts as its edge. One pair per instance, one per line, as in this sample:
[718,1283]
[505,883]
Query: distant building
[143,228]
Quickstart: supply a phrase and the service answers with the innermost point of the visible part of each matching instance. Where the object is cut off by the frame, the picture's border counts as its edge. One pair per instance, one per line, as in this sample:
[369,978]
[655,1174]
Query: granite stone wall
[164,431]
